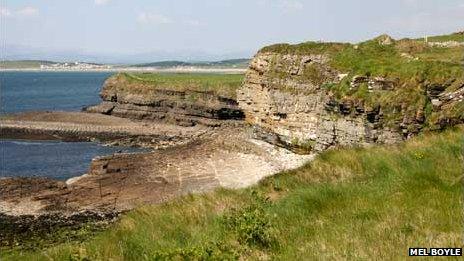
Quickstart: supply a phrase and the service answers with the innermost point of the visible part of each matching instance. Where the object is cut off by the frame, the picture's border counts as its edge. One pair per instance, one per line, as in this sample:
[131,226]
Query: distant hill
[36,64]
[457,37]
[235,63]
[24,64]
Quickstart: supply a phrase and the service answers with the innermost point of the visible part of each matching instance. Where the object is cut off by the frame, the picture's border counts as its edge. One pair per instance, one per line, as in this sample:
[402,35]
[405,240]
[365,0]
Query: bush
[251,224]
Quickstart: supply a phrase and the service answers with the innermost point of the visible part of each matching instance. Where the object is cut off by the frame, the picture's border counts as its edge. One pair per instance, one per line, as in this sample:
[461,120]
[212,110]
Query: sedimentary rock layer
[138,100]
[75,126]
[300,98]
[297,112]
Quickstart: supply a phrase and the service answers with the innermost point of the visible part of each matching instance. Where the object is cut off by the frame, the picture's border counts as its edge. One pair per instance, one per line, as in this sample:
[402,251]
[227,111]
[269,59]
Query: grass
[361,203]
[25,64]
[220,84]
[458,37]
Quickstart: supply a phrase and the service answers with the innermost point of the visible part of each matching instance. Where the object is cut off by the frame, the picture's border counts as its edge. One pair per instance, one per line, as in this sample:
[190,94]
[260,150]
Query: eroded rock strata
[76,126]
[128,98]
[311,97]
[297,112]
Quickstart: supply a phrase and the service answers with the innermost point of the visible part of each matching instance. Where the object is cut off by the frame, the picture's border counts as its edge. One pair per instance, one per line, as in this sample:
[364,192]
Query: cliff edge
[182,99]
[314,96]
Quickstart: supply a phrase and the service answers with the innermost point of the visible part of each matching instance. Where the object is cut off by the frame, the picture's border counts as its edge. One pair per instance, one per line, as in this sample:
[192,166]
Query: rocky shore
[185,159]
[76,126]
[227,157]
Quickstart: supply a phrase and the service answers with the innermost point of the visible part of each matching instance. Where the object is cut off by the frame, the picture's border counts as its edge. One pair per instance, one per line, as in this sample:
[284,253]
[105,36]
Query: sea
[50,91]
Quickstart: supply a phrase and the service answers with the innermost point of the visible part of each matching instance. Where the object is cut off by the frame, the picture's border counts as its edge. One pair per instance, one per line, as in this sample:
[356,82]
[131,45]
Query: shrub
[251,224]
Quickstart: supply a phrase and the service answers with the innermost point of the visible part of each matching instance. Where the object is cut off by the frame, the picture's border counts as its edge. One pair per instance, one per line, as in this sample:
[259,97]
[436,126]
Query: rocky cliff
[159,97]
[313,96]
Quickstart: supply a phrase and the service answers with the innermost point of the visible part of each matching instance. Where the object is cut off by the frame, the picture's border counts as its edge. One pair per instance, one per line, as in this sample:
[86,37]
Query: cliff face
[314,96]
[138,99]
[298,112]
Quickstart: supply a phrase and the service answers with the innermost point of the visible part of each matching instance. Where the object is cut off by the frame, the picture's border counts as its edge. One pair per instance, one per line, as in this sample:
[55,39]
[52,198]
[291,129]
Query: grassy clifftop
[347,204]
[406,59]
[220,84]
[414,66]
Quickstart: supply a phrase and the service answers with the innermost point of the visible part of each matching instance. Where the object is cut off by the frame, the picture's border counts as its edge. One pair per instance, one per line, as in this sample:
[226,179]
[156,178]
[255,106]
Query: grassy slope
[368,203]
[221,84]
[458,37]
[26,64]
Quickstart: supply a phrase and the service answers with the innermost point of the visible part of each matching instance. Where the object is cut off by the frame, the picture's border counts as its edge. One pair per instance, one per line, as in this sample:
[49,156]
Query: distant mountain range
[36,64]
[15,52]
[231,63]
[24,64]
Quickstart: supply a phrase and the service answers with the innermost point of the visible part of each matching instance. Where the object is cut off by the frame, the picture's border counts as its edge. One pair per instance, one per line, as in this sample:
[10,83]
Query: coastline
[129,69]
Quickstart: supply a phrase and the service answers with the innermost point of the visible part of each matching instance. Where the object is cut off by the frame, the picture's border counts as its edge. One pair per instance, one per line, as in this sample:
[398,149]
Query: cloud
[286,5]
[439,19]
[5,12]
[413,3]
[27,11]
[102,2]
[153,18]
[292,5]
[193,22]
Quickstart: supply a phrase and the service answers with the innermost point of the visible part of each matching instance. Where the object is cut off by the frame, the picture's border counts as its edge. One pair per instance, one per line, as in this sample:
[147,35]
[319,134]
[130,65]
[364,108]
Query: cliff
[183,99]
[314,96]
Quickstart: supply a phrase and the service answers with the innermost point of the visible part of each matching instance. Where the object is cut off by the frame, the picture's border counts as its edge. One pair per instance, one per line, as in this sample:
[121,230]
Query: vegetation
[305,48]
[221,84]
[363,203]
[458,37]
[233,63]
[24,64]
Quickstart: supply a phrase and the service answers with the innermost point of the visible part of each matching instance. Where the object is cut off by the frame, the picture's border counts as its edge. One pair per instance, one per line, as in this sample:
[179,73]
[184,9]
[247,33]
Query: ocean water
[63,91]
[40,91]
[53,159]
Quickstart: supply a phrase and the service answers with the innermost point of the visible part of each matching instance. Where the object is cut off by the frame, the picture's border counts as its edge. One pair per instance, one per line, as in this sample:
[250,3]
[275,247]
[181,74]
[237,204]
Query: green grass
[305,48]
[221,84]
[25,64]
[364,203]
[458,37]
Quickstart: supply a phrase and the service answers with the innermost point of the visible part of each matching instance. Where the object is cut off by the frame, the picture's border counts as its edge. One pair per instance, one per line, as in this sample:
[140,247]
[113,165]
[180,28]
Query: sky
[153,30]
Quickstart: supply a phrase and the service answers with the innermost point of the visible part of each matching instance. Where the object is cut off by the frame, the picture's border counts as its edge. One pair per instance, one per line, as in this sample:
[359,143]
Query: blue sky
[207,29]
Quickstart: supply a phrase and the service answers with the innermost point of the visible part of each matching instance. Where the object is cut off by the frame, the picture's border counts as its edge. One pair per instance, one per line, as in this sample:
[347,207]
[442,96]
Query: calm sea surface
[64,91]
[40,91]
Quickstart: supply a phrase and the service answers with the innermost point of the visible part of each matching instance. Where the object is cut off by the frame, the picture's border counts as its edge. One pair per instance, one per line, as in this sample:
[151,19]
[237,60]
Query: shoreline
[115,183]
[128,69]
